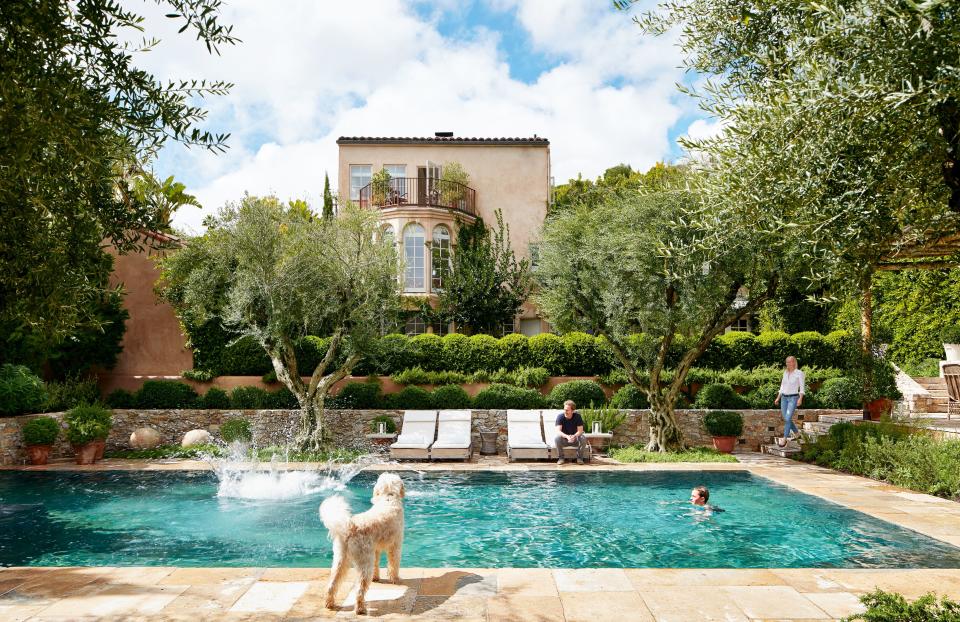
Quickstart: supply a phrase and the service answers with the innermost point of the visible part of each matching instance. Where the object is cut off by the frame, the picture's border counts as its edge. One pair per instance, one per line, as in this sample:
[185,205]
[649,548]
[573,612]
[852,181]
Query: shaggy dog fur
[359,540]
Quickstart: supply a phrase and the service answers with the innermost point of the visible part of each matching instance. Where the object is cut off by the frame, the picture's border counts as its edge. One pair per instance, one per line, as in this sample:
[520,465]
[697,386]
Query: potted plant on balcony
[39,435]
[724,426]
[454,182]
[950,335]
[87,430]
[380,187]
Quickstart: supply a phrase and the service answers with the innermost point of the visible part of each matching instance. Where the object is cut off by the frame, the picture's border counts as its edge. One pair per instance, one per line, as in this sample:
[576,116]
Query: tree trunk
[664,431]
[312,433]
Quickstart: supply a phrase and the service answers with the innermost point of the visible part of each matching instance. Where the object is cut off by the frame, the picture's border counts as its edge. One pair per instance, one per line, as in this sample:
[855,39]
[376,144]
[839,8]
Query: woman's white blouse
[792,383]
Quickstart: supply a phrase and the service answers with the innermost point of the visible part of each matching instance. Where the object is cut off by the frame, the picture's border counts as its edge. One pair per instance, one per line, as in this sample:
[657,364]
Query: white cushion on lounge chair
[454,430]
[550,425]
[417,430]
[523,429]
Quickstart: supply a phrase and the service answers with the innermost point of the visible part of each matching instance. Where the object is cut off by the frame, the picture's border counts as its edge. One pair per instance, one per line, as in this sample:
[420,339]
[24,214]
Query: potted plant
[380,187]
[724,426]
[382,430]
[950,335]
[599,425]
[87,430]
[454,182]
[39,435]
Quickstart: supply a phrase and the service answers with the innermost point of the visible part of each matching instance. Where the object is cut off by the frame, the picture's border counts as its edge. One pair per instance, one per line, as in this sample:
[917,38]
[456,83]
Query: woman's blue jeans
[788,404]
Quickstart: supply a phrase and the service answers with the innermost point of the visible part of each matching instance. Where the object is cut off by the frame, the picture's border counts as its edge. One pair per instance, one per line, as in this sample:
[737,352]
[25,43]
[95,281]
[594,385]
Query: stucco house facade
[421,204]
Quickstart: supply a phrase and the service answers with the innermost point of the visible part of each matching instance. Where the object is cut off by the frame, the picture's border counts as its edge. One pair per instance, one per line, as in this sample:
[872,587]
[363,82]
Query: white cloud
[310,72]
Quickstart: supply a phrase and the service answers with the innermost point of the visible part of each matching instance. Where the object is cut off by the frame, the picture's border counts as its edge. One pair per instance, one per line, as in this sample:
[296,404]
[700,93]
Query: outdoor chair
[951,374]
[416,435]
[525,436]
[550,433]
[454,436]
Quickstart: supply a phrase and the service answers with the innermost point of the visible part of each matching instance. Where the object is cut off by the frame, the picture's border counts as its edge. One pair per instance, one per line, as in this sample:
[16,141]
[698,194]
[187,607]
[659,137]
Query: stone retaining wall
[349,427]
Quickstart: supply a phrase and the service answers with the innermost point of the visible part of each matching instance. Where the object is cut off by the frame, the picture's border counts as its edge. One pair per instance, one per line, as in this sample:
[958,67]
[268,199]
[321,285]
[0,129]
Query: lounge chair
[454,436]
[951,375]
[416,435]
[525,436]
[550,433]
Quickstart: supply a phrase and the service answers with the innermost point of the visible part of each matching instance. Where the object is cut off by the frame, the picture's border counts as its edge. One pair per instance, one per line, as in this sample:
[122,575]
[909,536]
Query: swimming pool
[480,519]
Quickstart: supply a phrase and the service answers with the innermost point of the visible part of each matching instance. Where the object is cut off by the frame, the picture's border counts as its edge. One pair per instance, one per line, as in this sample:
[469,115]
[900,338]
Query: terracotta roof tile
[454,140]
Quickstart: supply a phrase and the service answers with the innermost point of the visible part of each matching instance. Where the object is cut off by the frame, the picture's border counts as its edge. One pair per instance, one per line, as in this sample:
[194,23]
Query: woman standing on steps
[789,397]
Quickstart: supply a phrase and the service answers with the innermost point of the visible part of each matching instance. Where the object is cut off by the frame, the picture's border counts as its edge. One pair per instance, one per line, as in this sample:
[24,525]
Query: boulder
[144,438]
[196,437]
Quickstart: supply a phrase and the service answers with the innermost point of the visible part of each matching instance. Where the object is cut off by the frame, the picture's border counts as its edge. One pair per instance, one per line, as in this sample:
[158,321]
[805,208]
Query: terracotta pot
[879,407]
[101,444]
[86,453]
[724,443]
[39,453]
[598,443]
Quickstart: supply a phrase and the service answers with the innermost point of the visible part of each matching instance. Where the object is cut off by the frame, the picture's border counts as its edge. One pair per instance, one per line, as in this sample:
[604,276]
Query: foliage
[417,375]
[389,424]
[638,453]
[889,607]
[166,394]
[451,396]
[503,396]
[358,395]
[585,355]
[79,116]
[427,351]
[926,368]
[198,375]
[87,423]
[950,334]
[282,399]
[620,179]
[547,350]
[719,395]
[584,393]
[40,431]
[610,419]
[629,397]
[327,197]
[121,398]
[762,397]
[487,284]
[236,429]
[455,178]
[20,391]
[249,398]
[380,187]
[269,378]
[71,392]
[267,272]
[169,452]
[901,456]
[214,399]
[412,398]
[514,351]
[840,393]
[723,423]
[530,376]
[483,353]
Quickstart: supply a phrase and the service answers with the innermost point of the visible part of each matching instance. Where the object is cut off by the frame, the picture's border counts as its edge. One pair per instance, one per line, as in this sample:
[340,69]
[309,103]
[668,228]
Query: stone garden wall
[349,427]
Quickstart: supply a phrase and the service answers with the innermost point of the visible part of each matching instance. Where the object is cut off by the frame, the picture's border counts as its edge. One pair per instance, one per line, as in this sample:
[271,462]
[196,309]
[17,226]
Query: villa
[421,205]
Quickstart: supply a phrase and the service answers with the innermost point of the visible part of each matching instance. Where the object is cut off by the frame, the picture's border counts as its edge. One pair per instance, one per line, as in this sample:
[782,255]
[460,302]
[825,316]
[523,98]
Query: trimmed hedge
[503,396]
[629,397]
[40,431]
[572,354]
[357,395]
[451,396]
[164,394]
[719,395]
[584,393]
[412,398]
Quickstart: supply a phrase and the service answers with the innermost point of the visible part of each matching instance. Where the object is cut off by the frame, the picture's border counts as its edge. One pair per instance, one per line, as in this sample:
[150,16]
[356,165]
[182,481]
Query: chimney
[443,134]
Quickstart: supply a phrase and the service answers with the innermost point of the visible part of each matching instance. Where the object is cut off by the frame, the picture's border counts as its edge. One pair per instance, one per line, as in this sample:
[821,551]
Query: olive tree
[655,274]
[279,274]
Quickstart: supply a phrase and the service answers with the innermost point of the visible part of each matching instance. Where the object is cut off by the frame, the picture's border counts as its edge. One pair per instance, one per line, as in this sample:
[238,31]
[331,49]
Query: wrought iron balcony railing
[419,191]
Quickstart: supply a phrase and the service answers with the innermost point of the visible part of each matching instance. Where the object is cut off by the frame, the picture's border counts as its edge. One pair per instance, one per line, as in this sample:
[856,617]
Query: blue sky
[578,72]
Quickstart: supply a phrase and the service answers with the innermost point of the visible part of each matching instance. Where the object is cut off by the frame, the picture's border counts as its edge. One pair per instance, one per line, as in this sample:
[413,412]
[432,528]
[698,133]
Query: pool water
[533,519]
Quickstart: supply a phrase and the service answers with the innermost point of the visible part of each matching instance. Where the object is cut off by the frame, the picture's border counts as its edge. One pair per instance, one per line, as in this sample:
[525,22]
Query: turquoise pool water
[534,519]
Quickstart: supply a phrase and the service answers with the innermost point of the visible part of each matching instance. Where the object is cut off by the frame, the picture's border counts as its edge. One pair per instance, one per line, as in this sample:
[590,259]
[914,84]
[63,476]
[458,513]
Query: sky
[578,72]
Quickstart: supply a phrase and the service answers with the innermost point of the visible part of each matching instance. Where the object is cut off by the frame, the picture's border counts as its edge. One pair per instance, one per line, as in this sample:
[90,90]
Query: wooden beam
[918,265]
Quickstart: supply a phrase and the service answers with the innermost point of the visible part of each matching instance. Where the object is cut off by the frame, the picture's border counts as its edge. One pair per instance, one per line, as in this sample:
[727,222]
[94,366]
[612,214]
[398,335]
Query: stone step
[816,427]
[783,452]
[838,418]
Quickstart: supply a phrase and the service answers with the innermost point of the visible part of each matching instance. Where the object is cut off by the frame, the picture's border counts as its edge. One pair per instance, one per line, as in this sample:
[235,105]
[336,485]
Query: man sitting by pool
[570,432]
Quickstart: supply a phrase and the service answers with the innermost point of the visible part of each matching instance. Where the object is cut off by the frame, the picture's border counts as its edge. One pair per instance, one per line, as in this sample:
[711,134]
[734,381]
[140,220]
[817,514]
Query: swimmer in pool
[700,496]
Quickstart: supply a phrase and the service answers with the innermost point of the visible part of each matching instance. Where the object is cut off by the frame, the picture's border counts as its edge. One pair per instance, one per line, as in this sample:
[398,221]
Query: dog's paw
[330,603]
[361,610]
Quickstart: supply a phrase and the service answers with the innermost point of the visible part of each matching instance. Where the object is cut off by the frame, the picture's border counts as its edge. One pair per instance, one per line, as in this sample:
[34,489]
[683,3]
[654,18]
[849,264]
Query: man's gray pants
[580,443]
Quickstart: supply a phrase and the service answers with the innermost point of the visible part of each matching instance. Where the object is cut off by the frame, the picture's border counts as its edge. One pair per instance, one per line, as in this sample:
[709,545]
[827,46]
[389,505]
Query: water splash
[243,476]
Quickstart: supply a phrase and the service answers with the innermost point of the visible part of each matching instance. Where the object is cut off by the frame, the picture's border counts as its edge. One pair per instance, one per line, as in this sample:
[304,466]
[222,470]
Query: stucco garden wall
[349,427]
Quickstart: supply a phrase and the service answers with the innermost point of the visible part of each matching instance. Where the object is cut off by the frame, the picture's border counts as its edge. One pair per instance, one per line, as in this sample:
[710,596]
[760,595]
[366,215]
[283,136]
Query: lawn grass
[637,453]
[216,451]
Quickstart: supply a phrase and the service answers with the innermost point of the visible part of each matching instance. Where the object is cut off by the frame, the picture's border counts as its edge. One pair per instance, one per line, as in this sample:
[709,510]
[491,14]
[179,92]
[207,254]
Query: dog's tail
[335,514]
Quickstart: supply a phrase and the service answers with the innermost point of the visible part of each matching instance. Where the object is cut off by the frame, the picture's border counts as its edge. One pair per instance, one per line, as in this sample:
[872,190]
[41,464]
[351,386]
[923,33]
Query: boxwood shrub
[630,397]
[514,351]
[427,352]
[282,399]
[584,393]
[357,395]
[504,396]
[41,431]
[166,394]
[456,353]
[719,395]
[236,429]
[215,399]
[546,350]
[249,398]
[723,423]
[840,393]
[451,396]
[585,355]
[763,396]
[121,398]
[409,398]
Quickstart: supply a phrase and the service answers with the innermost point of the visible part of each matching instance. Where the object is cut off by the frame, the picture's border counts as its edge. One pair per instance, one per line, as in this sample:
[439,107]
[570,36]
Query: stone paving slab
[563,595]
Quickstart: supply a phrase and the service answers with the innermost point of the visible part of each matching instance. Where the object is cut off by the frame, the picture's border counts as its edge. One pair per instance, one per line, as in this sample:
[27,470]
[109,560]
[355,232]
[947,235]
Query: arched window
[386,234]
[414,252]
[440,264]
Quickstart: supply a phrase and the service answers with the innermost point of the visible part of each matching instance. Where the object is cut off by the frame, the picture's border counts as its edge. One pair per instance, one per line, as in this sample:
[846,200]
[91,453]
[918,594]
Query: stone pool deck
[506,594]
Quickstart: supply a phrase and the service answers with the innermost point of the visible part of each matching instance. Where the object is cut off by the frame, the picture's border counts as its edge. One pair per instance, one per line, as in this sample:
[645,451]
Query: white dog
[360,539]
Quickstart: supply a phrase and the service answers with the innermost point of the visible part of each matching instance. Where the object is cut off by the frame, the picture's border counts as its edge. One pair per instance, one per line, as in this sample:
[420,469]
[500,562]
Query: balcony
[420,192]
